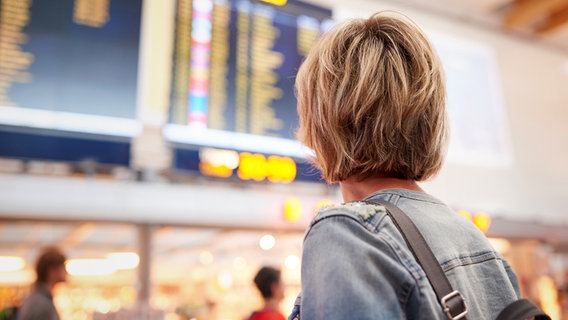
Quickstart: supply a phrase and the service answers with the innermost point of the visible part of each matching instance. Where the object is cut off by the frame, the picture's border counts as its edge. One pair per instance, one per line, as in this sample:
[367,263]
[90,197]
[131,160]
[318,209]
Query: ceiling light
[89,267]
[292,261]
[124,260]
[267,242]
[11,263]
[17,278]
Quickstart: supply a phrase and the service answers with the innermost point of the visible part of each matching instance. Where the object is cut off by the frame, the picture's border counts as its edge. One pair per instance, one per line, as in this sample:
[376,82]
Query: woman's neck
[354,189]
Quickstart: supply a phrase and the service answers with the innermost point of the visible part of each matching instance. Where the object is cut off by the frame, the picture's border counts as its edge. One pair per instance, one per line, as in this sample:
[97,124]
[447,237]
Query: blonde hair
[371,101]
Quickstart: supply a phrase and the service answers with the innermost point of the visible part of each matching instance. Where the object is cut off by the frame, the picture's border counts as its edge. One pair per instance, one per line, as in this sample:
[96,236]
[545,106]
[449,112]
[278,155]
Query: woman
[371,101]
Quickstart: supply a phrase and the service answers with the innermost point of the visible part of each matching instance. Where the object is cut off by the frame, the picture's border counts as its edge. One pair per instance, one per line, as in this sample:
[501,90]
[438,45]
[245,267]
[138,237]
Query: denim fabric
[356,265]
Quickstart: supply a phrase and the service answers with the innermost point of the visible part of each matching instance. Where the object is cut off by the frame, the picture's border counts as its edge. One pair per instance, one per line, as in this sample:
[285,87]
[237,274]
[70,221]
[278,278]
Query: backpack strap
[522,309]
[452,301]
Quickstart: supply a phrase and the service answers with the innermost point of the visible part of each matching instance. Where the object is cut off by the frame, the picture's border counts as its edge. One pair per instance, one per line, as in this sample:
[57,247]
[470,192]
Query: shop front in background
[187,273]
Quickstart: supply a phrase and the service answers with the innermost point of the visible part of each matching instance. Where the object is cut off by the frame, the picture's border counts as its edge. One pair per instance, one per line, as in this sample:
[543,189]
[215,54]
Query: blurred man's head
[269,283]
[50,266]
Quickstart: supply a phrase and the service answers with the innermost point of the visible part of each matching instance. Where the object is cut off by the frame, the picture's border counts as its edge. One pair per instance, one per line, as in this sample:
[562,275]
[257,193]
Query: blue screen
[78,56]
[245,81]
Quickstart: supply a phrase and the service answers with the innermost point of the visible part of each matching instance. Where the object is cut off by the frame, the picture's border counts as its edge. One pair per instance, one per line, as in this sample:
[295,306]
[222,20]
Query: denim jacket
[356,265]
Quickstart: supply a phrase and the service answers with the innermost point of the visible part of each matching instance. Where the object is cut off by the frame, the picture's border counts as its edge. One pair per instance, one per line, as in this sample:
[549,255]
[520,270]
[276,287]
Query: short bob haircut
[371,101]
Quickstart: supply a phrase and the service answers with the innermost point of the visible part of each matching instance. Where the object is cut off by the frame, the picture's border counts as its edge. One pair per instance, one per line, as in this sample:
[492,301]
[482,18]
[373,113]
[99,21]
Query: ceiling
[539,21]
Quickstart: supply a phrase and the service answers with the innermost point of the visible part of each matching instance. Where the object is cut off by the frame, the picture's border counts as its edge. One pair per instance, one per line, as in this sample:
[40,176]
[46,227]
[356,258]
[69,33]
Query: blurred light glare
[11,263]
[225,280]
[124,260]
[279,3]
[548,296]
[501,245]
[292,261]
[239,262]
[482,220]
[206,258]
[89,267]
[81,315]
[17,277]
[102,306]
[267,242]
[199,274]
[219,157]
[465,214]
[203,5]
[323,203]
[292,209]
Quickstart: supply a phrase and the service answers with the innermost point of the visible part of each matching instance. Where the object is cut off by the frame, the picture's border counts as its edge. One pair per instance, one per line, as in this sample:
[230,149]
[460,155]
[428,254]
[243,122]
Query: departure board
[75,56]
[235,63]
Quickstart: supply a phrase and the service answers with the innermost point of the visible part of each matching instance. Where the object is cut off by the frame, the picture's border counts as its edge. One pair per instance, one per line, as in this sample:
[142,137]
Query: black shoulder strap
[451,300]
[522,309]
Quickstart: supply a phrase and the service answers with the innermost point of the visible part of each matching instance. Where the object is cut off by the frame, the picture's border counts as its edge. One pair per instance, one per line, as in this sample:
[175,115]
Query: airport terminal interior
[153,142]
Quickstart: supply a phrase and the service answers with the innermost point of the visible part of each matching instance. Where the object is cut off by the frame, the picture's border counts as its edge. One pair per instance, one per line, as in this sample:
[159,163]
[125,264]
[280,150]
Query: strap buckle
[448,307]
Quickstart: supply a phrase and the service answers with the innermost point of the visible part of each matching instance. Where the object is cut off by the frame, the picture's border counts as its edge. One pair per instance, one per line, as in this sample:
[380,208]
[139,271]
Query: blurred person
[269,283]
[50,270]
[371,103]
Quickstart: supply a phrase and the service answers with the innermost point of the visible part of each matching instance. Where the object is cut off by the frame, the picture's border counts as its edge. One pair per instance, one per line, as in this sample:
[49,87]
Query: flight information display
[73,56]
[235,63]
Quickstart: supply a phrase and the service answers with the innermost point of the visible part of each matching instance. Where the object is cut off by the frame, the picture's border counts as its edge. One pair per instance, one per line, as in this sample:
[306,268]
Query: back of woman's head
[371,100]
